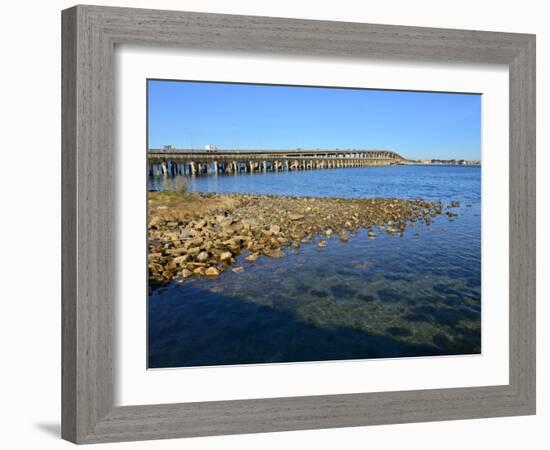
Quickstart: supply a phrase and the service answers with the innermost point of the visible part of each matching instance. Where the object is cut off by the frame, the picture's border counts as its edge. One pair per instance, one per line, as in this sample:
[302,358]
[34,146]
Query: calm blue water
[415,295]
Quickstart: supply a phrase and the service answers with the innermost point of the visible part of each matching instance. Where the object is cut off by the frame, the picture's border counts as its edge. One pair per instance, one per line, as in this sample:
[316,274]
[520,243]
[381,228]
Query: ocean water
[415,295]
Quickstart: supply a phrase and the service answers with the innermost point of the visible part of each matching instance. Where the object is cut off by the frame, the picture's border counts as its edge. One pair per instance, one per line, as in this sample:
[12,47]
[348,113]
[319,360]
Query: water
[415,295]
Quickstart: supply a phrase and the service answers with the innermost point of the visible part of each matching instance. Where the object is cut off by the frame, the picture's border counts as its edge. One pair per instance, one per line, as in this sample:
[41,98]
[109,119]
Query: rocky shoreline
[194,234]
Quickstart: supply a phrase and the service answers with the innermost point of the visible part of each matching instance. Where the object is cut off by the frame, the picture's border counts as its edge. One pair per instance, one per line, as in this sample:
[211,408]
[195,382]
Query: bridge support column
[164,168]
[216,168]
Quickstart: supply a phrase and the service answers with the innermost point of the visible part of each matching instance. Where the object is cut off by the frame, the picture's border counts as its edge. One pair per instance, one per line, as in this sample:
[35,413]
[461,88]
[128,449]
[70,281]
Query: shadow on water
[217,329]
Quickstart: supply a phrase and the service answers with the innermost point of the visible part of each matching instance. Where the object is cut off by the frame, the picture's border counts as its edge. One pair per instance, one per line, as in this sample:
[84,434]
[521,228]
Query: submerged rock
[344,237]
[253,257]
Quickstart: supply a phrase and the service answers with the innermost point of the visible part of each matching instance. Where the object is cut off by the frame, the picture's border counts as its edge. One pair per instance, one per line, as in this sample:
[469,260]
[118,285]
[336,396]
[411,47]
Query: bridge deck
[193,162]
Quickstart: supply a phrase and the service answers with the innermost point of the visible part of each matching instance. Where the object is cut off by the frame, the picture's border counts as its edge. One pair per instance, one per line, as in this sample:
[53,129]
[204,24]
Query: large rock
[180,260]
[275,229]
[226,256]
[195,242]
[202,257]
[212,272]
[200,224]
[185,273]
[193,251]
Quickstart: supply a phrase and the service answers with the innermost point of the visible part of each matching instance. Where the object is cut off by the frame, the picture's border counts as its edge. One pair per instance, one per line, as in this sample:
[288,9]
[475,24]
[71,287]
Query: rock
[156,222]
[296,235]
[193,251]
[199,271]
[239,269]
[187,233]
[212,272]
[157,268]
[200,224]
[202,257]
[195,242]
[343,237]
[275,229]
[322,244]
[329,232]
[177,251]
[371,234]
[226,256]
[253,257]
[274,253]
[185,273]
[295,217]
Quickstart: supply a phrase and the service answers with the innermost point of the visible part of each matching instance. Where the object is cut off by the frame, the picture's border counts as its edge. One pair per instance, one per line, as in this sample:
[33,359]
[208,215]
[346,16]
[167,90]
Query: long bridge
[173,162]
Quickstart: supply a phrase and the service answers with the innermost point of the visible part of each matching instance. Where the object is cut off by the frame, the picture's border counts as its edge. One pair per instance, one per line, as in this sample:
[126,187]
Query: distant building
[210,148]
[167,147]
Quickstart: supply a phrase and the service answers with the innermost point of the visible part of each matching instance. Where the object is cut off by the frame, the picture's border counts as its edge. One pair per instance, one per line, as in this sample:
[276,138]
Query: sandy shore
[202,234]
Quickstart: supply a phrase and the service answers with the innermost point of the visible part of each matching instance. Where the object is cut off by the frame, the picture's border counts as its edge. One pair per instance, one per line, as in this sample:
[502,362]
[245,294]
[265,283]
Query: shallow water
[415,295]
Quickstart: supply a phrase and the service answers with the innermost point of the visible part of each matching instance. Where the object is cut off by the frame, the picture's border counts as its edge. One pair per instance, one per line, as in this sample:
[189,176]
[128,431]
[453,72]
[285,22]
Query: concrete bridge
[197,162]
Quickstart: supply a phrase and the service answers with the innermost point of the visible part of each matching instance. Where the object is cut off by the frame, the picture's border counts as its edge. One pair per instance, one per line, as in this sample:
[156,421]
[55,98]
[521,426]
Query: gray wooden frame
[89,36]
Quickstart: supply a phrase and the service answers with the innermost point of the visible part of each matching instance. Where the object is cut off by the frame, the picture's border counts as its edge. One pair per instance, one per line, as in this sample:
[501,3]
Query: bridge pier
[162,163]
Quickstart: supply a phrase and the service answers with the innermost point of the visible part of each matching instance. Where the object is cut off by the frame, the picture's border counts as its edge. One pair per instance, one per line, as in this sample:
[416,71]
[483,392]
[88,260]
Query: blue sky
[417,125]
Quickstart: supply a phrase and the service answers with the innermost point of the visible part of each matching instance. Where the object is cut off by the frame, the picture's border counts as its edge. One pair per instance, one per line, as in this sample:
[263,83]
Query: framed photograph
[278,224]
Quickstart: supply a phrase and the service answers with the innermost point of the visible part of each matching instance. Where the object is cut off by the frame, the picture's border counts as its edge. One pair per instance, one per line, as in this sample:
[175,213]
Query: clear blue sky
[417,125]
